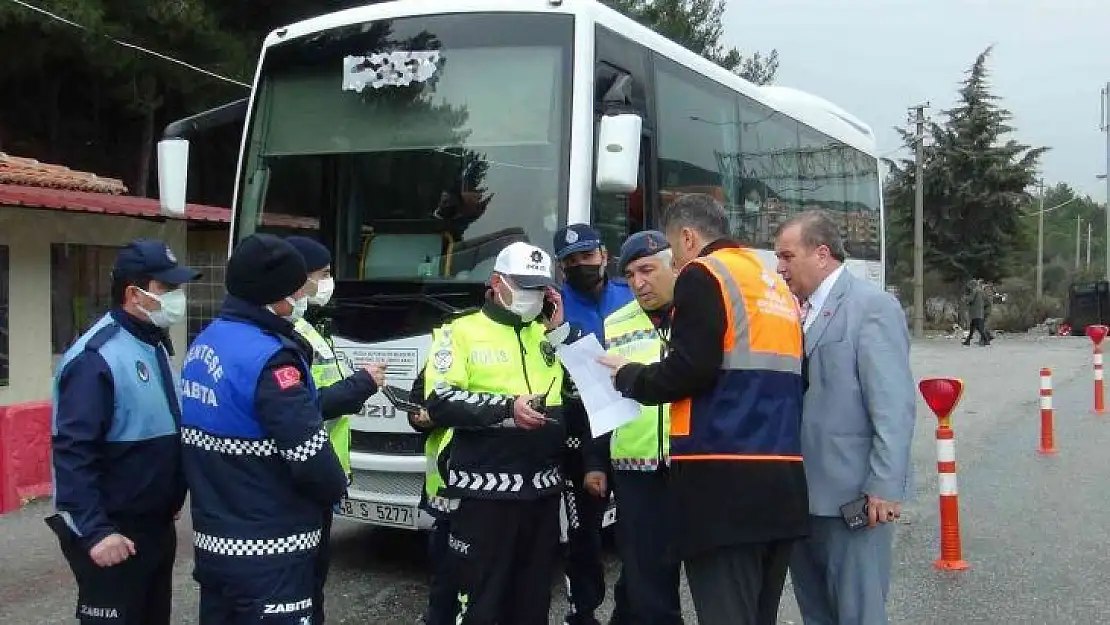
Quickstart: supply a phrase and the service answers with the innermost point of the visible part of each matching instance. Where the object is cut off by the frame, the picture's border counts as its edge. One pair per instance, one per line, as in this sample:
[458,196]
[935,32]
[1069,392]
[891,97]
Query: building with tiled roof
[59,232]
[28,172]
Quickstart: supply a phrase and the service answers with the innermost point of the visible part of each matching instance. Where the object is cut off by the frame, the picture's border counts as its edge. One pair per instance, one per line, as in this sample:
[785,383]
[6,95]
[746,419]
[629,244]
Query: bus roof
[809,109]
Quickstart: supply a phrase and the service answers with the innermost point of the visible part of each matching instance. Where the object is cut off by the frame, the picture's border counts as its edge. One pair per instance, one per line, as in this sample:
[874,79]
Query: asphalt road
[1035,529]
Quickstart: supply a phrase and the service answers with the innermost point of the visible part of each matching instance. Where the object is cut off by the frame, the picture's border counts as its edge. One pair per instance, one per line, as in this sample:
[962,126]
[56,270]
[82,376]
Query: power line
[132,46]
[1050,209]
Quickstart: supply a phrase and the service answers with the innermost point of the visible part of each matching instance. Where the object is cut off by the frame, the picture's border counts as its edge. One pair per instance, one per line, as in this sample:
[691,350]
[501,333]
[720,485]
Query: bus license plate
[383,513]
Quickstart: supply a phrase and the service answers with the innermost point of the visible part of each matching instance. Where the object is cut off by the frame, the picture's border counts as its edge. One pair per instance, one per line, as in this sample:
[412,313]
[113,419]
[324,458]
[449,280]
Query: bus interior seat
[400,255]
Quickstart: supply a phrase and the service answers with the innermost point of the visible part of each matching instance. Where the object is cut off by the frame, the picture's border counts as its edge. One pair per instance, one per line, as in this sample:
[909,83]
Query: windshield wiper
[400,298]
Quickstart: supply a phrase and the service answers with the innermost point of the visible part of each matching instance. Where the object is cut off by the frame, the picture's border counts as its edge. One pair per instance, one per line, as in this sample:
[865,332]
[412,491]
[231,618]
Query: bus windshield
[416,147]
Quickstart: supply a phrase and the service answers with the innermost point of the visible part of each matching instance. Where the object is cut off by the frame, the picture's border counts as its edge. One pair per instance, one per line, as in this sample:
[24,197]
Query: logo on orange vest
[775,301]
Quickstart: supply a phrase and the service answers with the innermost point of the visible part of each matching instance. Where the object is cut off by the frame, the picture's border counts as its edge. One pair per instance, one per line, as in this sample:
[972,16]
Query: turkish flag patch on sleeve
[287,376]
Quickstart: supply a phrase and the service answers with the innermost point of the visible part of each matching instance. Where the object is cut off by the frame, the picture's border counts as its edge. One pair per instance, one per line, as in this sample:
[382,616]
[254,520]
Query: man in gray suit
[857,424]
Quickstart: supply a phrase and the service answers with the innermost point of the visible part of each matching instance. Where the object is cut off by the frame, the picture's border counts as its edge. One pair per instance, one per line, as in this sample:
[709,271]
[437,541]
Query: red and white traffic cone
[942,395]
[1097,333]
[1048,440]
[951,552]
[1100,399]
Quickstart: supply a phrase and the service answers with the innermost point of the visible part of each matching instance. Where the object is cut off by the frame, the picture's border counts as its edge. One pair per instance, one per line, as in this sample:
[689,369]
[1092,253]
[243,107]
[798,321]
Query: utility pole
[919,223]
[1105,125]
[1078,238]
[1040,242]
[1088,246]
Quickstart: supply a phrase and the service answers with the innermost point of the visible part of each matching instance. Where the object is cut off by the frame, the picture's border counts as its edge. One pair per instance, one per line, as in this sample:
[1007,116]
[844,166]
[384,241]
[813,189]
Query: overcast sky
[876,58]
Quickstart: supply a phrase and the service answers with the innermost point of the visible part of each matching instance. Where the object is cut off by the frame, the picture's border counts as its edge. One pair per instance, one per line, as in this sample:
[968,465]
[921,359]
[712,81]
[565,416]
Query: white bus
[418,138]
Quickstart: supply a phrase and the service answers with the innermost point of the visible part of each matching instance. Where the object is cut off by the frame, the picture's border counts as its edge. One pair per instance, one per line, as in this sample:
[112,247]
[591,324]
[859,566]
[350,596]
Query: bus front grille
[388,483]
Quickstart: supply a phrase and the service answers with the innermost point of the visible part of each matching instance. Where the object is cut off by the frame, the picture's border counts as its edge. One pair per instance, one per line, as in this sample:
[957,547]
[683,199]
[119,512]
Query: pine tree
[975,188]
[696,25]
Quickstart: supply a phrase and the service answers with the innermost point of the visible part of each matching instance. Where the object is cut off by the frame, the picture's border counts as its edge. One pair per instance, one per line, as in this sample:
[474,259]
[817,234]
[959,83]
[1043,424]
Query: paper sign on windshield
[389,69]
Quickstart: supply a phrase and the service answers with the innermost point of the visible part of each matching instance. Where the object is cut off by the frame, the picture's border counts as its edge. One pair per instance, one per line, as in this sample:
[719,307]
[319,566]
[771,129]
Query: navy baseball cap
[643,243]
[575,238]
[151,257]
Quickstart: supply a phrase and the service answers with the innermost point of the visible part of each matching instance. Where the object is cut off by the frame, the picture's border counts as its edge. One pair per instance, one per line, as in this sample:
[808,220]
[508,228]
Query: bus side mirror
[173,175]
[618,153]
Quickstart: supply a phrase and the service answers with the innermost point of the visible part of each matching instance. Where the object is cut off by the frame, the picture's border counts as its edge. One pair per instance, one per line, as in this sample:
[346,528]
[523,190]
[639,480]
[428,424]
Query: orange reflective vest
[754,412]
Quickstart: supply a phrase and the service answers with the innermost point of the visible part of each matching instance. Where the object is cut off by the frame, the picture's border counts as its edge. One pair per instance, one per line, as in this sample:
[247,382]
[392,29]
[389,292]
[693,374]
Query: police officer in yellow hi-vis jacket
[443,593]
[638,451]
[486,376]
[342,391]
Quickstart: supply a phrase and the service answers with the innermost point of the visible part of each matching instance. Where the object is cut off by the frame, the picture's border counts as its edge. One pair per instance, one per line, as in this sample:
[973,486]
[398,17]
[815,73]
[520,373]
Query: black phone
[549,307]
[401,399]
[855,513]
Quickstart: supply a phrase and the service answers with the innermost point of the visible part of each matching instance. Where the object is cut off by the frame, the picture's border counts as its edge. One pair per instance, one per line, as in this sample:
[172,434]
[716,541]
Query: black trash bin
[1088,304]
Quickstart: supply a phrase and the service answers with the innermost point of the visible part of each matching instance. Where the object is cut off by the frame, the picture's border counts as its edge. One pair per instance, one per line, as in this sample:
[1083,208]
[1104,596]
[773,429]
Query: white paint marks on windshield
[389,69]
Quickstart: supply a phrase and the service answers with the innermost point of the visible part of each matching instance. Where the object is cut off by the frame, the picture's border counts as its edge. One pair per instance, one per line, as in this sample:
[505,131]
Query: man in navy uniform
[589,296]
[260,467]
[118,484]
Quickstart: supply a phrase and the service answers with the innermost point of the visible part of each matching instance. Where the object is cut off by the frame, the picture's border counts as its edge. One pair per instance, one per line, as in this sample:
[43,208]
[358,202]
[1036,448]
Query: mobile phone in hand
[549,307]
[855,513]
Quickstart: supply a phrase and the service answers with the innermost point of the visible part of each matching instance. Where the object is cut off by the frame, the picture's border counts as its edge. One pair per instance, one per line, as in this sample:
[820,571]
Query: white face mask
[300,305]
[527,303]
[324,290]
[173,308]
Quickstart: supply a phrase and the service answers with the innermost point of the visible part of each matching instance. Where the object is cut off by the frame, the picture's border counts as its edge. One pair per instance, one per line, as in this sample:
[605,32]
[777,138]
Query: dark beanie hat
[264,269]
[316,256]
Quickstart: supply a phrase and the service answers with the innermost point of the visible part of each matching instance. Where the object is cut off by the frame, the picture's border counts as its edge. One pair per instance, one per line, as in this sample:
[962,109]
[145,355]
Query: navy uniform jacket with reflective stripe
[256,455]
[116,457]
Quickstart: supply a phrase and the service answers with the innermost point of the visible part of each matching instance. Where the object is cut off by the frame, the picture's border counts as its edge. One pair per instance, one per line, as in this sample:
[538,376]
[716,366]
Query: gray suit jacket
[859,409]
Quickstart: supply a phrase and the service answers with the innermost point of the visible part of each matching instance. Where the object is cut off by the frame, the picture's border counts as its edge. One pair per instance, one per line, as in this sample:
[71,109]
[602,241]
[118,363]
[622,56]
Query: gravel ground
[1034,529]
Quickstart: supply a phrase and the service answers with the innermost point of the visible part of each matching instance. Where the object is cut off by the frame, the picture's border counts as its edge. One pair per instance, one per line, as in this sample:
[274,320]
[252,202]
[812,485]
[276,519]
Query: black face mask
[584,278]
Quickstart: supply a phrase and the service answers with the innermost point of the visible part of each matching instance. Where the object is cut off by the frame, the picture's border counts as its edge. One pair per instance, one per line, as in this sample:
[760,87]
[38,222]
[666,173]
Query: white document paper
[606,407]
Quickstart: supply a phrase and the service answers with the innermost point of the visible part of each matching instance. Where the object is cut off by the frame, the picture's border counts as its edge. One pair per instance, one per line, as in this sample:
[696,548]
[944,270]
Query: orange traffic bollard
[942,395]
[1096,334]
[1048,441]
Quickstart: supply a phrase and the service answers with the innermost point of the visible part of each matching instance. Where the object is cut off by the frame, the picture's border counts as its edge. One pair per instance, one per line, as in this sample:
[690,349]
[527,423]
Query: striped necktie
[805,313]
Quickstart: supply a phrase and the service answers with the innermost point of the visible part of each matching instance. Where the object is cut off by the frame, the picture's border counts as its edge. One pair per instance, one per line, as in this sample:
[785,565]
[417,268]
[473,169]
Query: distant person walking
[975,313]
[989,294]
